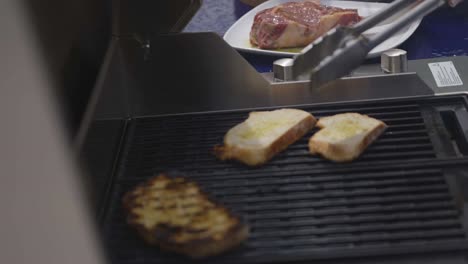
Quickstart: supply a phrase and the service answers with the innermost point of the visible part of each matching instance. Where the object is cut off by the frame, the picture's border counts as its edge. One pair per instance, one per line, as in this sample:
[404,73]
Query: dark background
[74,36]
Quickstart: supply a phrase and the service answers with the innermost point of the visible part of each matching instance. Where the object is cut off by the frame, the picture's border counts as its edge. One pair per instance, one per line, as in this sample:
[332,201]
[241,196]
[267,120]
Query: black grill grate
[301,207]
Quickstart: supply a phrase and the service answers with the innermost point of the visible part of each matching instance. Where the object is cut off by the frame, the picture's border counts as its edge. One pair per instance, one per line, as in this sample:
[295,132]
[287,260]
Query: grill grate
[300,207]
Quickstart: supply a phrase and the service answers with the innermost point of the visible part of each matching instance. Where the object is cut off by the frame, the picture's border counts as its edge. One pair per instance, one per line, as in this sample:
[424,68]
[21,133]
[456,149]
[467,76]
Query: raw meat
[296,24]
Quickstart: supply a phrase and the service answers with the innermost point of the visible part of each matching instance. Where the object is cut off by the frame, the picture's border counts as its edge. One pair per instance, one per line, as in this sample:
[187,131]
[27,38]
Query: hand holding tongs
[343,49]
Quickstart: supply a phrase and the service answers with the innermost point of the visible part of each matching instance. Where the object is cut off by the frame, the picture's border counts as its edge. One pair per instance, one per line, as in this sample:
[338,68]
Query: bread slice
[264,134]
[174,214]
[344,137]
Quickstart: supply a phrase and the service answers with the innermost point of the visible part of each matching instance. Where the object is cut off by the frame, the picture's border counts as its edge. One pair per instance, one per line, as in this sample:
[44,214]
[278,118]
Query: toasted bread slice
[264,134]
[344,137]
[174,214]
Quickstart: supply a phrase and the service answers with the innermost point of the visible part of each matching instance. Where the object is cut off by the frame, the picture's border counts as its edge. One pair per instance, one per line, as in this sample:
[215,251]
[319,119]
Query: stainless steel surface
[424,72]
[130,86]
[133,83]
[419,67]
[282,69]
[394,61]
[344,48]
[350,89]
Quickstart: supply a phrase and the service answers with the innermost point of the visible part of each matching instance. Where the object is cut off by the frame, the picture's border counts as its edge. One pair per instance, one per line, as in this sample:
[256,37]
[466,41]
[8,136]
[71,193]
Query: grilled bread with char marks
[263,135]
[176,215]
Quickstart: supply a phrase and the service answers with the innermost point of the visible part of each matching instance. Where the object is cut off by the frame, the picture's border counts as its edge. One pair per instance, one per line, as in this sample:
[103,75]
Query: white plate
[238,34]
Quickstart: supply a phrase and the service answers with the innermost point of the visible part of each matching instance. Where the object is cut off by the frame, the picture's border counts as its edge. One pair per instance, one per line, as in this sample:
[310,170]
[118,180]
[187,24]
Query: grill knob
[394,61]
[282,69]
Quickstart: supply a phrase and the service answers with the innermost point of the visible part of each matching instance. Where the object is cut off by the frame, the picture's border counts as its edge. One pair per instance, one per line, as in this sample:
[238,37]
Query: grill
[401,196]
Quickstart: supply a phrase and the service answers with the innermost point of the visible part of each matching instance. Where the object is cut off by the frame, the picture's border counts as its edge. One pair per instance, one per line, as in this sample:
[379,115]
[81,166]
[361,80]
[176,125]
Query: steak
[296,24]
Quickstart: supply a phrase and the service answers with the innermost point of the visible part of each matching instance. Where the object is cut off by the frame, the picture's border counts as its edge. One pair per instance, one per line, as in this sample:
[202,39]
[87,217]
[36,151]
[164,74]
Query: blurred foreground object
[44,214]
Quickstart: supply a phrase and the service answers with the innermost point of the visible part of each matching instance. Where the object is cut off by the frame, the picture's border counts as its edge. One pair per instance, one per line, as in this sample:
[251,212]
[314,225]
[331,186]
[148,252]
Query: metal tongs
[343,49]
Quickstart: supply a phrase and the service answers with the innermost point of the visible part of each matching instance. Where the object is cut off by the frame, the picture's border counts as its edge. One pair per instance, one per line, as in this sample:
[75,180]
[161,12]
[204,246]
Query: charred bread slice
[263,135]
[176,215]
[344,137]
